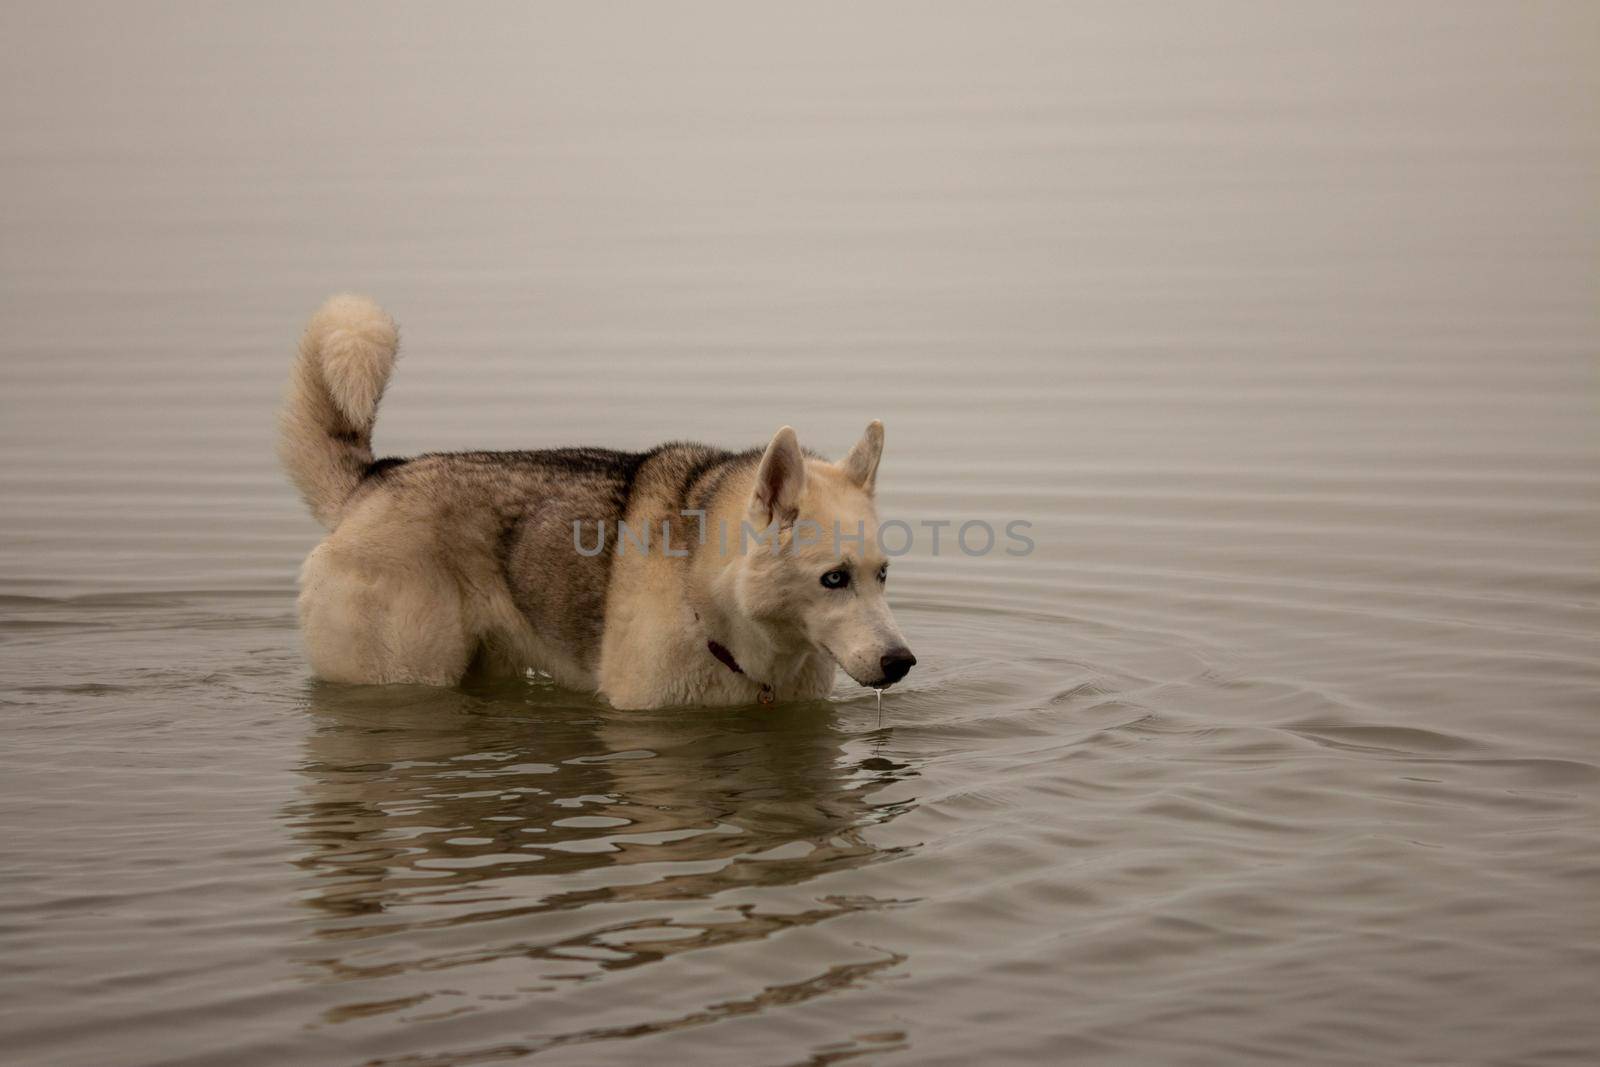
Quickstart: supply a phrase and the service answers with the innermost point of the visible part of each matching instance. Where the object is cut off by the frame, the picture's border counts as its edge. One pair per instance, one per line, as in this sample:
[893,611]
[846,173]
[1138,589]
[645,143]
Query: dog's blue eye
[883,573]
[836,579]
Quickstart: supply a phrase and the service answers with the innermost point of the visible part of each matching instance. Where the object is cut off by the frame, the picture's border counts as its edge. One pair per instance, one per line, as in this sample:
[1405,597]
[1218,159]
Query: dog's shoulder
[682,475]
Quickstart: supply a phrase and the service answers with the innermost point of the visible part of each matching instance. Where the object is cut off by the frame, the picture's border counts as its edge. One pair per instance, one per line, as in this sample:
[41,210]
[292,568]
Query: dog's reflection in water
[569,823]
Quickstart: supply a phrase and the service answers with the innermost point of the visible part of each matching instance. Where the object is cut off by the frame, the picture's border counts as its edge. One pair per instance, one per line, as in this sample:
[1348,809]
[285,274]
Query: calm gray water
[1277,321]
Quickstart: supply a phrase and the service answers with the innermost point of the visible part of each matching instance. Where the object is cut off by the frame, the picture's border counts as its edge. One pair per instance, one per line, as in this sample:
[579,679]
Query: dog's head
[825,583]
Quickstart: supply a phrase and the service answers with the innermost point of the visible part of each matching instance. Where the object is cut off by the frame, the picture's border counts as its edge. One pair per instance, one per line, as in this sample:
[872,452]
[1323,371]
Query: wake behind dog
[446,564]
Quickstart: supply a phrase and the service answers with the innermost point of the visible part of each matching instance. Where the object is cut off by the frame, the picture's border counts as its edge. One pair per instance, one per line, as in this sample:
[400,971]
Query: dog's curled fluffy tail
[325,427]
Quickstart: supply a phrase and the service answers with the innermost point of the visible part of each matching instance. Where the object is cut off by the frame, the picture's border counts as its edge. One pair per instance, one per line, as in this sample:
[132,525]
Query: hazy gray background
[1277,320]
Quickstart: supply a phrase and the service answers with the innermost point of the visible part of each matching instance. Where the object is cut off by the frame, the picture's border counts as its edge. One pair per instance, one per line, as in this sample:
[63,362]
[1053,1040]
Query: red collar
[719,650]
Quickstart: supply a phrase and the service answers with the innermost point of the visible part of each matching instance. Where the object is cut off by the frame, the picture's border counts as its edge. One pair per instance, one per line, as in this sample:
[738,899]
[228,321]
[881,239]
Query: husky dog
[447,563]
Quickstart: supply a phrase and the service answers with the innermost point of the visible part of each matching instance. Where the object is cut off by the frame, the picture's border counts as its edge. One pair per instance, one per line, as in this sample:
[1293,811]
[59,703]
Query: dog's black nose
[897,664]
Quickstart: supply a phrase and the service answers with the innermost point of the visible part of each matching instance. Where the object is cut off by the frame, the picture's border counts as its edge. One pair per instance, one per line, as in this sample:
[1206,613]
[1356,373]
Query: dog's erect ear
[780,480]
[861,465]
